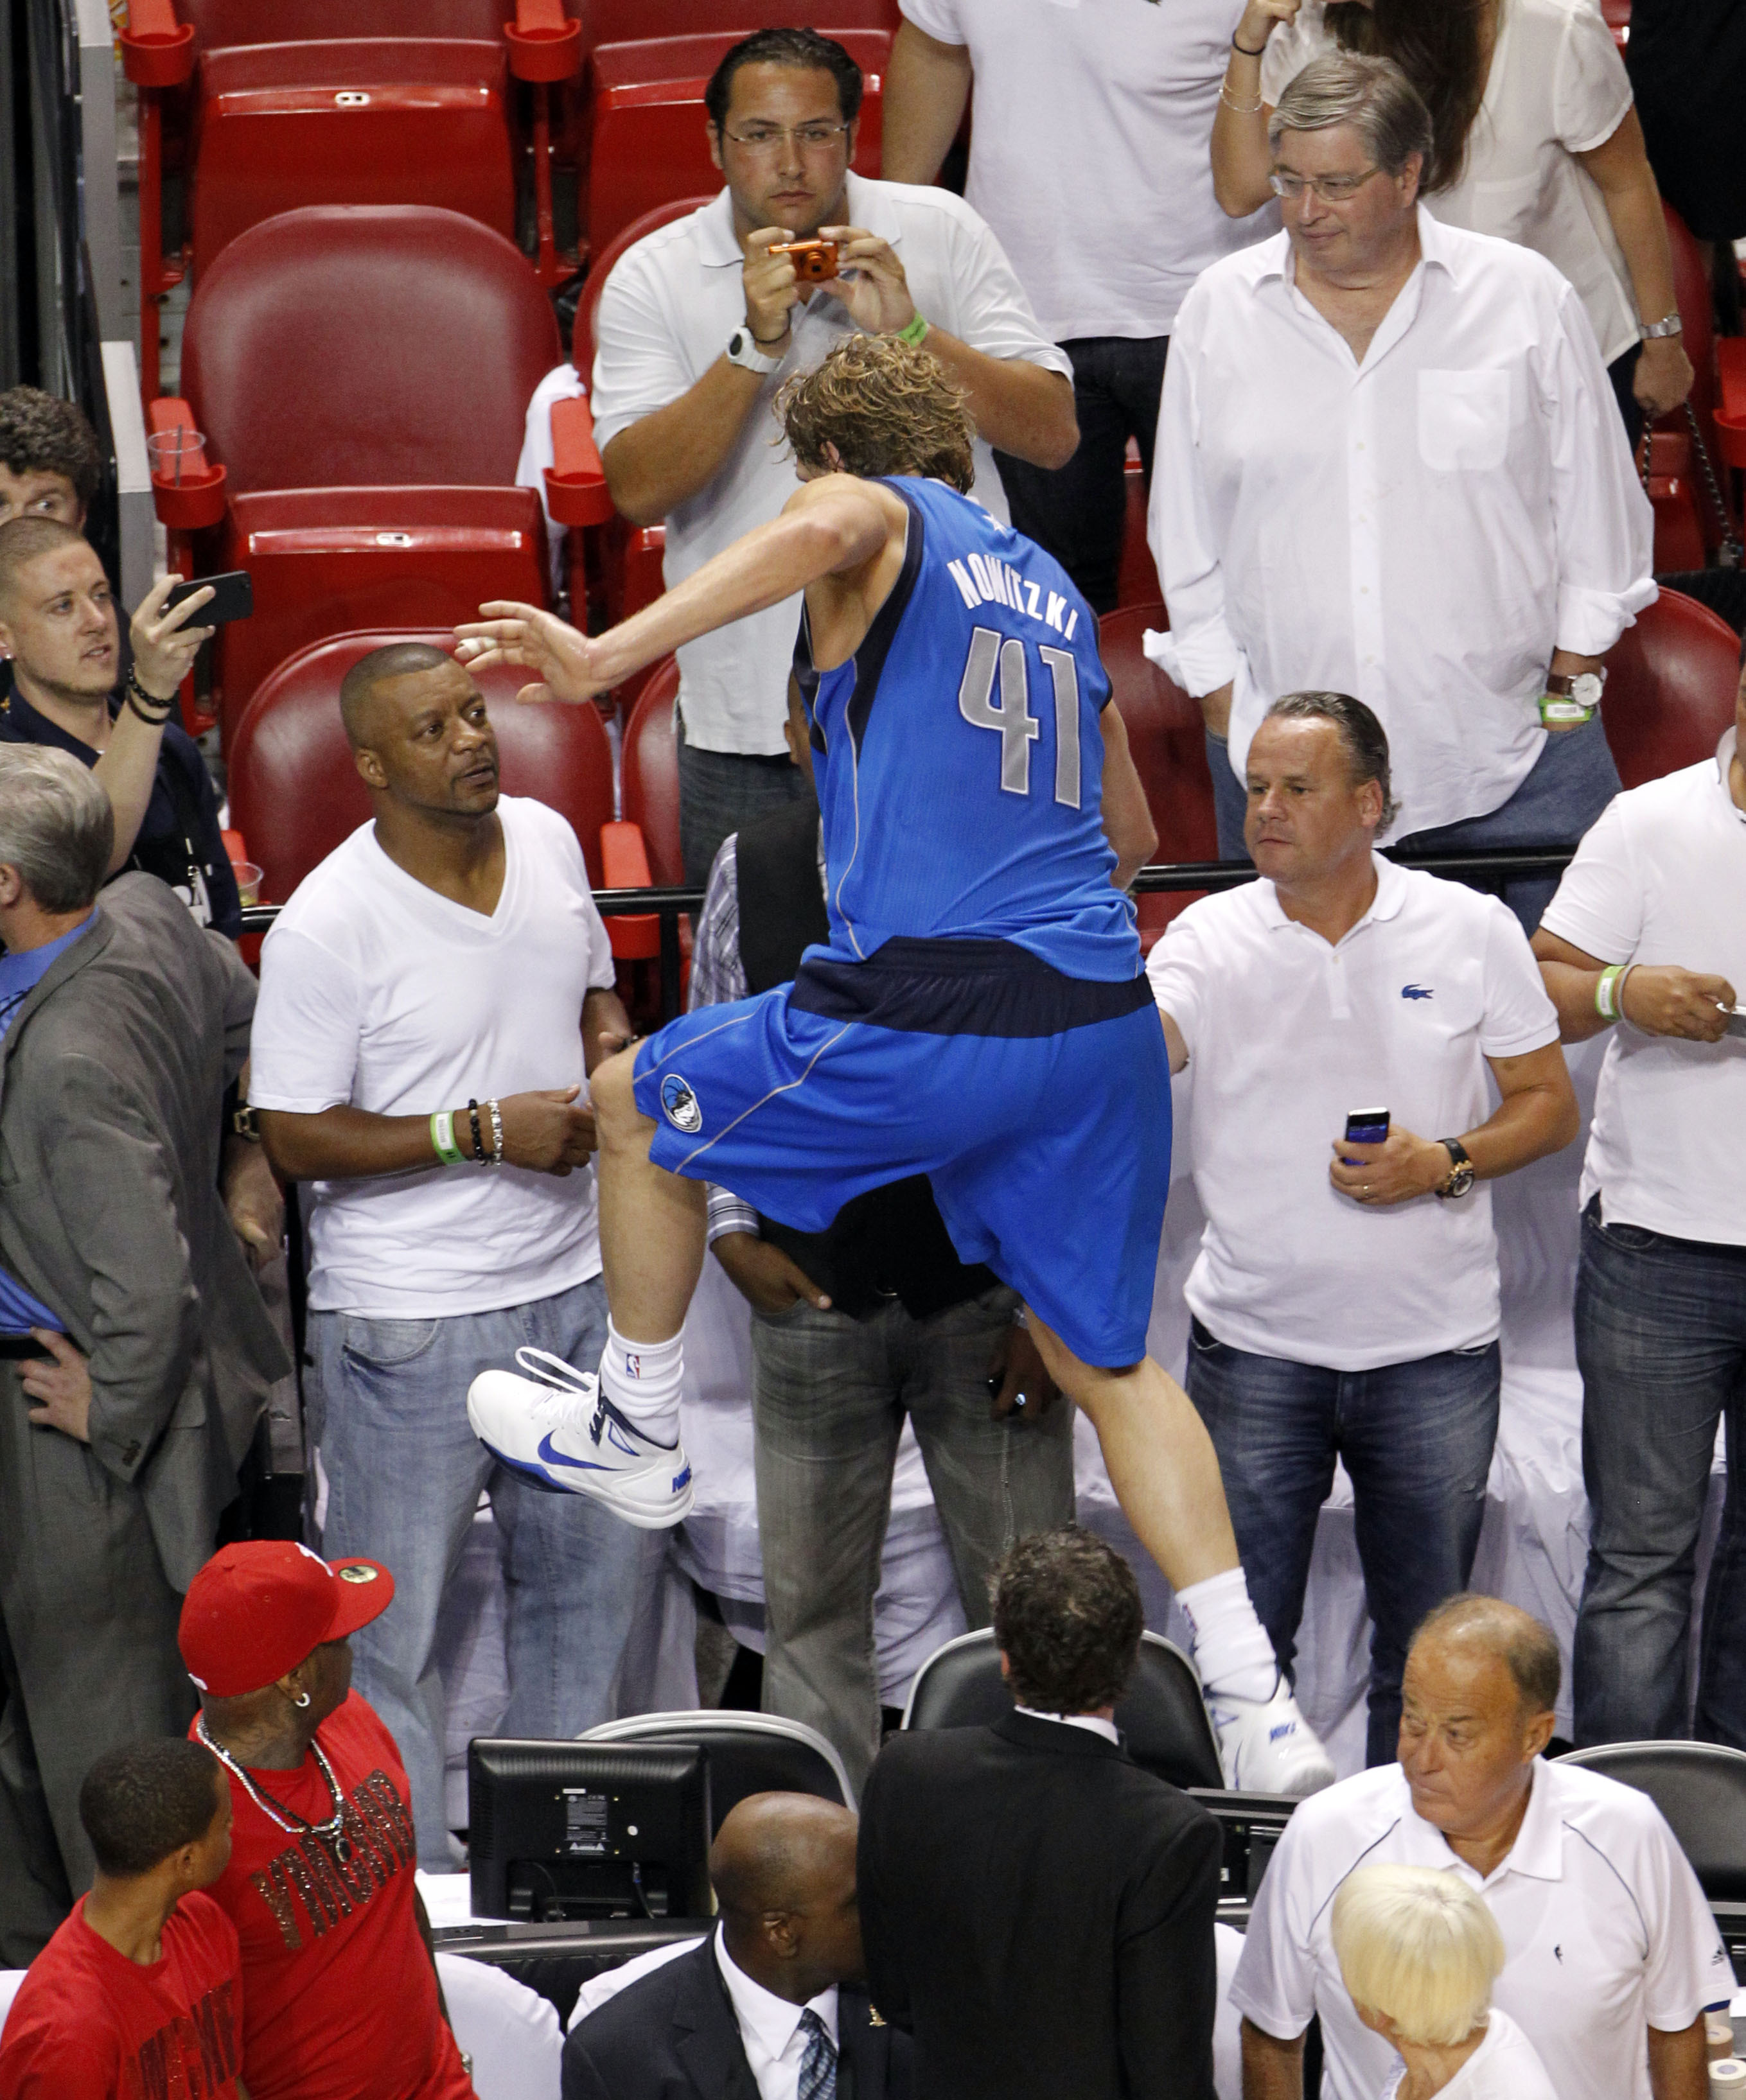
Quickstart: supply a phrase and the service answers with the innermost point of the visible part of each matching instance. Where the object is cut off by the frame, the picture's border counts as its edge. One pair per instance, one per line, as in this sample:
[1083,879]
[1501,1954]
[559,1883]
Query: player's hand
[869,280]
[164,644]
[550,1132]
[771,287]
[765,1277]
[61,1389]
[1023,1389]
[1394,1172]
[1260,17]
[252,1201]
[566,662]
[1662,999]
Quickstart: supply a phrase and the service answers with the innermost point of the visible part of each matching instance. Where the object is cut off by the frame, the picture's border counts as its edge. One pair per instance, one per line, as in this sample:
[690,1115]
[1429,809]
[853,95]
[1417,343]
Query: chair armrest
[543,44]
[624,857]
[157,49]
[575,490]
[197,500]
[1730,407]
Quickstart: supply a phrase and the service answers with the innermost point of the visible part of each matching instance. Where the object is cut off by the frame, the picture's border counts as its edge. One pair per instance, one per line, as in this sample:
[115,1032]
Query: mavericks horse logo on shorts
[680,1104]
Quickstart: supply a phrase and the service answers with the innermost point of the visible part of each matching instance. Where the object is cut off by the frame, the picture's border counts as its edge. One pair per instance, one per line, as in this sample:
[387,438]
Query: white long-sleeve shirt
[1421,530]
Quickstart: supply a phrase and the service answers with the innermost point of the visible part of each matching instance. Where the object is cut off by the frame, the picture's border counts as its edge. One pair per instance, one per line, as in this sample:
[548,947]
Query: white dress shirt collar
[769,2027]
[1094,1723]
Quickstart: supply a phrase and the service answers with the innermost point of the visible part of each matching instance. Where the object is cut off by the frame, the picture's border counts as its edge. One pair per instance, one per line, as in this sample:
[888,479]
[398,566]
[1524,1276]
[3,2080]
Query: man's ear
[369,767]
[782,1929]
[1536,1735]
[11,886]
[712,132]
[8,643]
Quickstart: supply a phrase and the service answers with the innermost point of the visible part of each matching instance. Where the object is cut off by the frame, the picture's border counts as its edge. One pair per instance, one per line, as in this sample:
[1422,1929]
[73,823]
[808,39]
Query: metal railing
[1490,870]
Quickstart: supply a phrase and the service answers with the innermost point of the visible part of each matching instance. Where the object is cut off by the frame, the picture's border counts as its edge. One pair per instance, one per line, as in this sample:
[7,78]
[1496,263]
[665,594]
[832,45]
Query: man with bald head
[432,998]
[1613,1956]
[772,2003]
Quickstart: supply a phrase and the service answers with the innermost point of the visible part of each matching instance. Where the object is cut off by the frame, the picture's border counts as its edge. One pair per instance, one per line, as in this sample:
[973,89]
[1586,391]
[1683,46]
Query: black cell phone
[1366,1127]
[1737,1021]
[232,597]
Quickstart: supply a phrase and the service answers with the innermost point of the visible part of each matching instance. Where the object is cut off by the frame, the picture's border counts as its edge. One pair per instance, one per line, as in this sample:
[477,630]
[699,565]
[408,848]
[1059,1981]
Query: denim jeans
[1661,1344]
[387,1412]
[1079,512]
[720,791]
[1416,1441]
[828,1398]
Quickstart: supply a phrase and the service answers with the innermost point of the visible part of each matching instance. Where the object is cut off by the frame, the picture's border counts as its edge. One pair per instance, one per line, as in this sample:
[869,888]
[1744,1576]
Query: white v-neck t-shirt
[1557,87]
[1504,2067]
[377,992]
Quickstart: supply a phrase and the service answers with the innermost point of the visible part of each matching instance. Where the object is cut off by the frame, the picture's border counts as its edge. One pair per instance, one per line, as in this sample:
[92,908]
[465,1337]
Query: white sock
[1230,1644]
[641,1379]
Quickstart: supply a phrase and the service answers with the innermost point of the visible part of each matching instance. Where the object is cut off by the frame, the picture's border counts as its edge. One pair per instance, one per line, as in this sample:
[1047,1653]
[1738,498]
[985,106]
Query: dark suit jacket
[1038,1912]
[672,2036]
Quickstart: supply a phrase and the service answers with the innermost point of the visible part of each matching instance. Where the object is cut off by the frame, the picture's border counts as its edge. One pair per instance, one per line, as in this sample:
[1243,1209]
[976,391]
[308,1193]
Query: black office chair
[1701,1788]
[748,1754]
[1162,1717]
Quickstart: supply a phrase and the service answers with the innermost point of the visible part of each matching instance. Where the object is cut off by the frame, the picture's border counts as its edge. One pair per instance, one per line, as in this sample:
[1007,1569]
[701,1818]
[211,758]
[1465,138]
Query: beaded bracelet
[443,1138]
[496,1133]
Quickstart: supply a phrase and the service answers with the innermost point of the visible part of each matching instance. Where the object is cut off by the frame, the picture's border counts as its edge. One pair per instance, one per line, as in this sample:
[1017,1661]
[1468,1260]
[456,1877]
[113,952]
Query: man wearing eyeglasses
[1388,468]
[700,323]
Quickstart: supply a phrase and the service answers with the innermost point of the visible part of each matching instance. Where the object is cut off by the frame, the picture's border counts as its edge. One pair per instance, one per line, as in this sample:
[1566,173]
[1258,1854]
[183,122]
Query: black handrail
[1491,869]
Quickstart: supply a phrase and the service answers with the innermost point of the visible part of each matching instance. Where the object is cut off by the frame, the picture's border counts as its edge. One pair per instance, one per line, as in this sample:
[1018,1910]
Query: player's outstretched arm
[828,526]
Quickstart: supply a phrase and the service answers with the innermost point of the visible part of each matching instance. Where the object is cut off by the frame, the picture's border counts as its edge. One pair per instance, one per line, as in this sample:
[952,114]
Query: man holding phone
[1646,939]
[1345,1297]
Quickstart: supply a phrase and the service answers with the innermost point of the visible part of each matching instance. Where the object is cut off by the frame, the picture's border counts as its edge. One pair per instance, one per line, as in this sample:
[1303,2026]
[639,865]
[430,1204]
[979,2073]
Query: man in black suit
[769,2007]
[1038,1911]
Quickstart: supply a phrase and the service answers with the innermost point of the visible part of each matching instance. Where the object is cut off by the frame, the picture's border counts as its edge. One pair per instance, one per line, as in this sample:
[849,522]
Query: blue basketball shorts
[1038,1105]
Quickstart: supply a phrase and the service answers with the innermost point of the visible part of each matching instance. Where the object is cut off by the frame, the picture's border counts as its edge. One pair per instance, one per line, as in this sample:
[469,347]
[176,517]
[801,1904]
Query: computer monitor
[588,1830]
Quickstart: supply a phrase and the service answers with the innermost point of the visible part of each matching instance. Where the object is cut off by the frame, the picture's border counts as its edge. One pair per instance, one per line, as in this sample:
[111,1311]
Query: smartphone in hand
[1365,1127]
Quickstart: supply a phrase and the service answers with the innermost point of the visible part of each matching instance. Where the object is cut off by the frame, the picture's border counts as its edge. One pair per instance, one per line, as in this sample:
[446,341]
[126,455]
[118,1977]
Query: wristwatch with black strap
[1463,1172]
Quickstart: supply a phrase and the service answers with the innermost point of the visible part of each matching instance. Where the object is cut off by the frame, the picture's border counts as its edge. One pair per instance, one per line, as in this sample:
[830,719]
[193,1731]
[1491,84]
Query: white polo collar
[1538,1851]
[1387,903]
[1724,759]
[868,205]
[773,2019]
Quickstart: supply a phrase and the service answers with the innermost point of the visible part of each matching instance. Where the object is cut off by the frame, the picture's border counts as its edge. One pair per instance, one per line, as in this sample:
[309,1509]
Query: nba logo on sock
[633,1367]
[680,1104]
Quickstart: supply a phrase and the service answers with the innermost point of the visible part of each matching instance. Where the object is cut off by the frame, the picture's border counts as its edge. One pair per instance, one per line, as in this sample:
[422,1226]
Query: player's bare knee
[621,1125]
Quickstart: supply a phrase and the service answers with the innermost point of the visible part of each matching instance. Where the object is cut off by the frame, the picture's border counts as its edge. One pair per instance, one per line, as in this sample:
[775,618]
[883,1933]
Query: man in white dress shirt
[1388,467]
[699,324]
[1612,1955]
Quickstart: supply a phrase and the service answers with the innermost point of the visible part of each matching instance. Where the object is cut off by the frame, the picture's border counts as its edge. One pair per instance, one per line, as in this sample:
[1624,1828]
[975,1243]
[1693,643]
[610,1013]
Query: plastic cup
[177,452]
[248,880]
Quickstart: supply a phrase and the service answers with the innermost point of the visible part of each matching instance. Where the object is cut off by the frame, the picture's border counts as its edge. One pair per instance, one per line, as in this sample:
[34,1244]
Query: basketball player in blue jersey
[981,1014]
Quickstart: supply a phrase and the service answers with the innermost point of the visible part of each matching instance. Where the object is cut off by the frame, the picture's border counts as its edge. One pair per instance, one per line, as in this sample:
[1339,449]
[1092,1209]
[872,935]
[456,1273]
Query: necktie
[818,2066]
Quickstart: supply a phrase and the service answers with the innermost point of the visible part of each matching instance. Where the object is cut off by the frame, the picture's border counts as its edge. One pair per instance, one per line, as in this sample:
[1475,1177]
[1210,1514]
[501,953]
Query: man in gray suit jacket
[124,1415]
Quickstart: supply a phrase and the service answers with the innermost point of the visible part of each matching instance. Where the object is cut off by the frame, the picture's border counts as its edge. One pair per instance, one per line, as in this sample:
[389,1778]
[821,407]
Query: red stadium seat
[644,141]
[1617,16]
[619,21]
[362,375]
[1138,582]
[649,772]
[1671,681]
[295,794]
[1687,527]
[1167,740]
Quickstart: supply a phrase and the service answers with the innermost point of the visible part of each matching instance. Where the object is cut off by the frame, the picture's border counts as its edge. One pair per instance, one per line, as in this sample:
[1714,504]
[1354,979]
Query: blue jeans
[387,1412]
[1661,1344]
[1416,1440]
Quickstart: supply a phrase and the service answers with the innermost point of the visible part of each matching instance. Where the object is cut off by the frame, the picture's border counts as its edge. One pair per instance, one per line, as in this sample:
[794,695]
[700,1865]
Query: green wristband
[1606,993]
[443,1138]
[915,334]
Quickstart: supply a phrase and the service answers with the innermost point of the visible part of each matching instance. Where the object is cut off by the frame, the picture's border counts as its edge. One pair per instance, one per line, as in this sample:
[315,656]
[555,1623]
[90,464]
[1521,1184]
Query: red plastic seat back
[366,121]
[222,23]
[600,268]
[647,142]
[620,21]
[1671,681]
[295,794]
[353,345]
[1167,740]
[650,772]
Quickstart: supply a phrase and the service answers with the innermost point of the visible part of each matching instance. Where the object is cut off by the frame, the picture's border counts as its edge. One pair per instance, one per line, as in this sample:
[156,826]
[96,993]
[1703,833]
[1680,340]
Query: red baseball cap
[260,1607]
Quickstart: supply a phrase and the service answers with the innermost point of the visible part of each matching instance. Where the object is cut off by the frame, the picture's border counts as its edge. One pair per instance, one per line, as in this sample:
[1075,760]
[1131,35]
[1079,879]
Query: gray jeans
[829,1395]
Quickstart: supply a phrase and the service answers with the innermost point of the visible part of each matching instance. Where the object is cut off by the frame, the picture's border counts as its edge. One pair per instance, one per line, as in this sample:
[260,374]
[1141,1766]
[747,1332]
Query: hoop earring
[302,1699]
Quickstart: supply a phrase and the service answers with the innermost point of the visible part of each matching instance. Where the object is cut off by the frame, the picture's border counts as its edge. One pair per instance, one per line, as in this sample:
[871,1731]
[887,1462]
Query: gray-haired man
[1389,465]
[139,1354]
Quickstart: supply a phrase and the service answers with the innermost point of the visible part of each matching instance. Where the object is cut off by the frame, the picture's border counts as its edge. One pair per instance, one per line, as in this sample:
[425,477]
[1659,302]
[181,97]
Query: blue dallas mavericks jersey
[959,757]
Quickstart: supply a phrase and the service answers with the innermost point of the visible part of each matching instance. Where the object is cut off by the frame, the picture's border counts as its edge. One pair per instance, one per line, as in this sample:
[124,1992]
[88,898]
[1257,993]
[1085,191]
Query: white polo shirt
[1606,1930]
[1661,878]
[1088,150]
[1286,1036]
[668,307]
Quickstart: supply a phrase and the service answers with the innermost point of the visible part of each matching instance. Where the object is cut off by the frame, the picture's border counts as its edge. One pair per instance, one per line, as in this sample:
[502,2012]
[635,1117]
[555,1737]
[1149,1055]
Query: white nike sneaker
[1265,1746]
[557,1429]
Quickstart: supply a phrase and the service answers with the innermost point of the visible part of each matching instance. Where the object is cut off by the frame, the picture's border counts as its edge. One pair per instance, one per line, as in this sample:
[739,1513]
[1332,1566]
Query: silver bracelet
[496,1133]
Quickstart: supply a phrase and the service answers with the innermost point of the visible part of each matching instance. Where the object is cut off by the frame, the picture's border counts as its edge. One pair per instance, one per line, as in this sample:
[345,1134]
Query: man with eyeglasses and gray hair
[135,1354]
[1389,465]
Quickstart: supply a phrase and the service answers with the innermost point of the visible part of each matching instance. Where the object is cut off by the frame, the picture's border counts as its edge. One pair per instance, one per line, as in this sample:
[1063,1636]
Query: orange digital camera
[814,261]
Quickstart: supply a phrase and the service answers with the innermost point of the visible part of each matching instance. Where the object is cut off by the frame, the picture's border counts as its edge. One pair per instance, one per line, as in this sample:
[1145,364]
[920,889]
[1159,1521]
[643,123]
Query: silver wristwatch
[1670,325]
[743,351]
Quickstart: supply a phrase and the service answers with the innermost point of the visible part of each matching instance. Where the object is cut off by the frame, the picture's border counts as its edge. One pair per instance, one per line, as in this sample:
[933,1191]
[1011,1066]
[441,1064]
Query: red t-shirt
[341,1994]
[89,2024]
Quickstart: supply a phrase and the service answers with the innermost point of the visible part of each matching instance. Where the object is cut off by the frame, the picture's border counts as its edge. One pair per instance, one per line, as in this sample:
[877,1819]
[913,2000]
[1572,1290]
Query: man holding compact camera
[699,324]
[1345,1297]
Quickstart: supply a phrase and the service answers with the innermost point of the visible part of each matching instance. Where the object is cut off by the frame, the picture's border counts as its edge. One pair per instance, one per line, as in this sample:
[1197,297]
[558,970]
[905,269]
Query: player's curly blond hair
[886,408]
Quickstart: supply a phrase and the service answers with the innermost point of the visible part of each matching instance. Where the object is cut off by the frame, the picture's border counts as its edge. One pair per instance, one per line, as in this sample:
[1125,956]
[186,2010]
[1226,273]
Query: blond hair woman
[1419,1951]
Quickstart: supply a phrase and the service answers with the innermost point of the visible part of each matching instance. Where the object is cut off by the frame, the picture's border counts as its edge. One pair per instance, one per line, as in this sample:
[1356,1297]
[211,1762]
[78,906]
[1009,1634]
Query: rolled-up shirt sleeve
[1199,651]
[1605,528]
